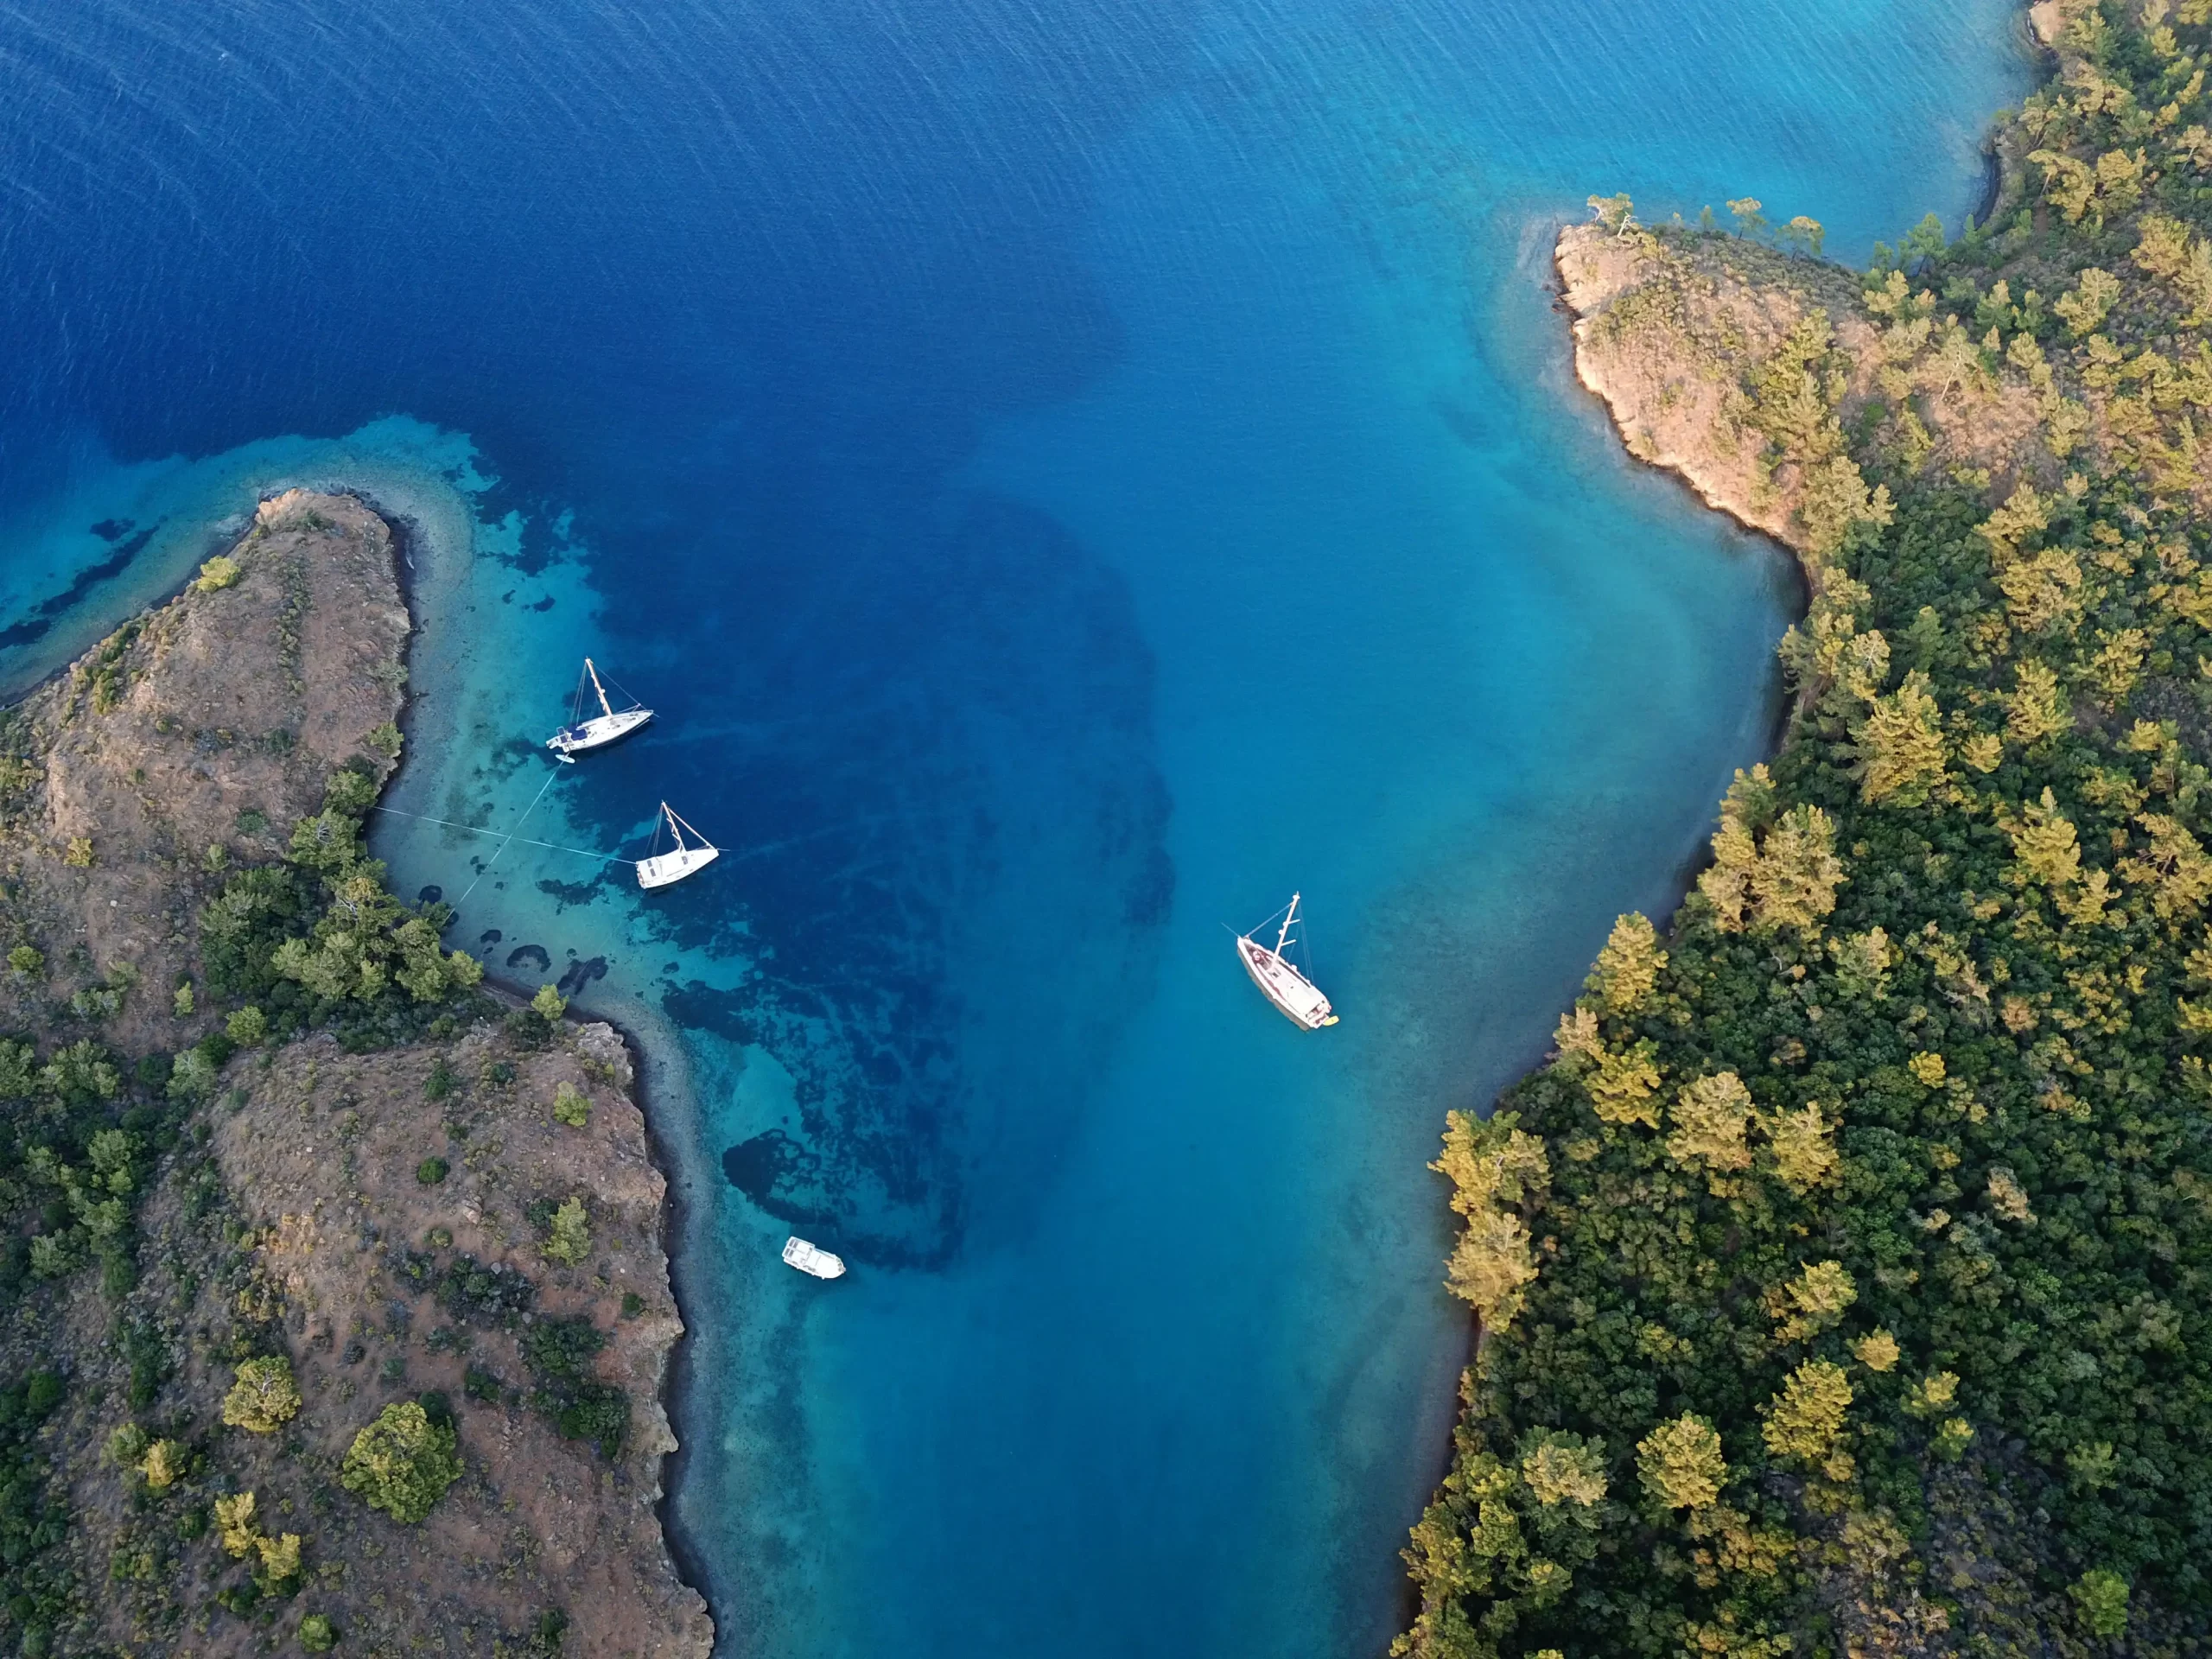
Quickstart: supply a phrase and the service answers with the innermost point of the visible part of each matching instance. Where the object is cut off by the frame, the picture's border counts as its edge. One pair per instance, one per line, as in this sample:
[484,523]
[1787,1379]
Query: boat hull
[812,1259]
[1296,997]
[672,868]
[597,732]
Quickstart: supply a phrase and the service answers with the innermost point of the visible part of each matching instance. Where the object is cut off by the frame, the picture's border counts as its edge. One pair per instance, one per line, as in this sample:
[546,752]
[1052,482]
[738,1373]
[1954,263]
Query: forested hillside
[1842,1280]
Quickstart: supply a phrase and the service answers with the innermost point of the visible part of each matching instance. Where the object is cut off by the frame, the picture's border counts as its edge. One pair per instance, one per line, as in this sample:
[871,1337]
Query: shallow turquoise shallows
[1066,476]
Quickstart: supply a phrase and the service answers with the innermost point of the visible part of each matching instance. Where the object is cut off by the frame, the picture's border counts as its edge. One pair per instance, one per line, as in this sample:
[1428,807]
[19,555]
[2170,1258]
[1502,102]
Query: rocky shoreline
[299,1141]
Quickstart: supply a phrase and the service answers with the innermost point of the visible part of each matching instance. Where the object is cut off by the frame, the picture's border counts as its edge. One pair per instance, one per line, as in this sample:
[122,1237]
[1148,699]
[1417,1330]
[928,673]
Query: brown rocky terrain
[330,1236]
[467,1221]
[191,739]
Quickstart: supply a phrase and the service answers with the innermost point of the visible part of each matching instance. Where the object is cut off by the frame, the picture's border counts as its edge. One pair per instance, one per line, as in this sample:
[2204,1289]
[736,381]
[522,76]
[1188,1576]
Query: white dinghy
[660,869]
[812,1258]
[601,728]
[1298,997]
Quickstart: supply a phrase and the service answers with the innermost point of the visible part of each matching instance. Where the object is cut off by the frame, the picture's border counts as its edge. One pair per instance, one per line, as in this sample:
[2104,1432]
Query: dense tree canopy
[1842,1281]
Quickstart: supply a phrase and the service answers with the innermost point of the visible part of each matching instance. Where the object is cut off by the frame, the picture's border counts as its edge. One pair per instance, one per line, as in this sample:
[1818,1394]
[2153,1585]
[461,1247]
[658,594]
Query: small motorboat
[812,1259]
[1299,999]
[660,869]
[601,728]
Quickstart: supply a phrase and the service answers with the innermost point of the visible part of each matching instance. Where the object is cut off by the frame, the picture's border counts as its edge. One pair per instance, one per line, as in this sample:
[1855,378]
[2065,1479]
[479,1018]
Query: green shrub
[568,1239]
[278,1572]
[2101,1595]
[265,1397]
[234,1524]
[217,574]
[241,928]
[165,1464]
[402,1463]
[316,1634]
[239,1599]
[26,962]
[33,1516]
[559,1353]
[54,1256]
[148,1359]
[441,1081]
[191,1078]
[248,1027]
[318,938]
[570,1107]
[479,1292]
[118,1274]
[432,1170]
[549,1004]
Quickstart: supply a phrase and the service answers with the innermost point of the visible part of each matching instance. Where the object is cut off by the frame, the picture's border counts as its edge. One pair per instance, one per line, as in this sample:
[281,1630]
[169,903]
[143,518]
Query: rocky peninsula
[338,1312]
[1842,1280]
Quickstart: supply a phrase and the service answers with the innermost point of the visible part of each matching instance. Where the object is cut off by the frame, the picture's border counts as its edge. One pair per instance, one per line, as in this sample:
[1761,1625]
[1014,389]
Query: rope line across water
[509,839]
[476,829]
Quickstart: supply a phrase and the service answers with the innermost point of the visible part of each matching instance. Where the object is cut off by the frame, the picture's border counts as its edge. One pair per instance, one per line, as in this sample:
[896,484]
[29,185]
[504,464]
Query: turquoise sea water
[1066,476]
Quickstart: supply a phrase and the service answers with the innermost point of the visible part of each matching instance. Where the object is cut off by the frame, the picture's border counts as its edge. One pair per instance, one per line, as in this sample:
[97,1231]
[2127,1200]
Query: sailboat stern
[1296,997]
[669,868]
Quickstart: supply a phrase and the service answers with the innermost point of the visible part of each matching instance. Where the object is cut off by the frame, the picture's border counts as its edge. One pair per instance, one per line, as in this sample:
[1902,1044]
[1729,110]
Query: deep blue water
[1066,476]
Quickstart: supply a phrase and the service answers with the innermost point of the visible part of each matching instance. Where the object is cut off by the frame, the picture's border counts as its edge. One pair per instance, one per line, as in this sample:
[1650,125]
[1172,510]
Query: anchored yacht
[812,1258]
[660,869]
[1299,999]
[601,728]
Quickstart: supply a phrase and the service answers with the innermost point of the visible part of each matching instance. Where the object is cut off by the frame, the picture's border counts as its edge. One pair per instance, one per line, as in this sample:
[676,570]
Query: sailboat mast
[601,689]
[675,825]
[1289,916]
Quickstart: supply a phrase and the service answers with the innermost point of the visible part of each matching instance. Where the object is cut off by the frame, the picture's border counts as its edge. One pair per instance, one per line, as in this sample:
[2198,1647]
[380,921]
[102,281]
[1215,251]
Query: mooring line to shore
[507,840]
[764,850]
[523,841]
[511,835]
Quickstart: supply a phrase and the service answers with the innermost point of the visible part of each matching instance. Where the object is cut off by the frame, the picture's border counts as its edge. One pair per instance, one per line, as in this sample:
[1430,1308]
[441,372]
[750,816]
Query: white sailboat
[1297,996]
[601,728]
[812,1258]
[660,869]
